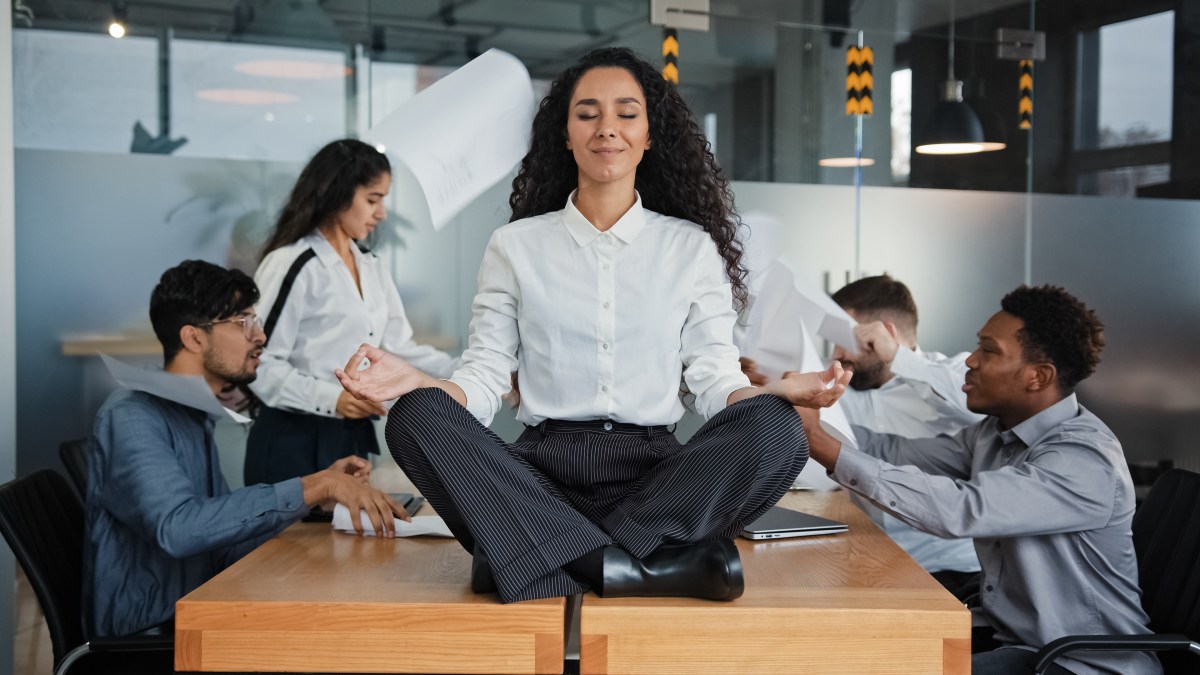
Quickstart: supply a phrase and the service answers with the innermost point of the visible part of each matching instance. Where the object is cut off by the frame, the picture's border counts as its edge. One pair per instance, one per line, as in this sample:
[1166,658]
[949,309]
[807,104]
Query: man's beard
[867,377]
[227,372]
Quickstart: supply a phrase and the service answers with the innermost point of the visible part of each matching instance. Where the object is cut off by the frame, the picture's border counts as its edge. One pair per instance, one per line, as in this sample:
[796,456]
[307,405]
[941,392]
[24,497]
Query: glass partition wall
[181,138]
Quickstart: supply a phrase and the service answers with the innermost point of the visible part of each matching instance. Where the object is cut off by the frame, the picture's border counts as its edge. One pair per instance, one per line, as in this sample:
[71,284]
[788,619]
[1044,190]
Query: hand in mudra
[375,375]
[813,390]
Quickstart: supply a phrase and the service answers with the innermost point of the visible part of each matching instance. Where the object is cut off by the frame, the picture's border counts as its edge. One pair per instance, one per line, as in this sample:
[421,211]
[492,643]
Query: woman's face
[366,209]
[607,127]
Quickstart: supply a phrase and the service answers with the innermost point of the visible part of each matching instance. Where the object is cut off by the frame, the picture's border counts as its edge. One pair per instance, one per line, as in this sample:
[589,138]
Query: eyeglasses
[250,324]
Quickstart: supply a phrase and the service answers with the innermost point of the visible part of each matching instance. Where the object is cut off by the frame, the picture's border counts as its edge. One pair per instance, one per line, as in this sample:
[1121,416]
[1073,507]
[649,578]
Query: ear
[891,329]
[189,337]
[1041,376]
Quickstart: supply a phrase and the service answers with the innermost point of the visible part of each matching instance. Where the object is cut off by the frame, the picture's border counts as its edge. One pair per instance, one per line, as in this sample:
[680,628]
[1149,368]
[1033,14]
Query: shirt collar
[583,232]
[326,253]
[1034,428]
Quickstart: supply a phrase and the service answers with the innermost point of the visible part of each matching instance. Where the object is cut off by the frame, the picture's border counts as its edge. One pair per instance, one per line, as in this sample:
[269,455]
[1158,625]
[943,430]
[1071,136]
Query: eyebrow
[623,101]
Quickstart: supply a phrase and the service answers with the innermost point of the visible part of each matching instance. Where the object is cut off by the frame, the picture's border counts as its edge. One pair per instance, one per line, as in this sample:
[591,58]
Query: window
[1124,92]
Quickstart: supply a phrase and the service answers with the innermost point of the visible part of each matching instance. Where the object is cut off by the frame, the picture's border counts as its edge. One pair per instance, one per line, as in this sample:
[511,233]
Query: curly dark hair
[326,186]
[1058,329]
[678,175]
[193,293]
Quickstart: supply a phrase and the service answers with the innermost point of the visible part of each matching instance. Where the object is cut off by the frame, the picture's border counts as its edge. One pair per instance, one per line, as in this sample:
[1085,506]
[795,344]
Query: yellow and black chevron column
[1025,105]
[860,80]
[670,51]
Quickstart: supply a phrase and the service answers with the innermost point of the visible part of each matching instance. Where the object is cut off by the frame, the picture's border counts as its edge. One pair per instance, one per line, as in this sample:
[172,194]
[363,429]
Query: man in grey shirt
[1041,485]
[160,518]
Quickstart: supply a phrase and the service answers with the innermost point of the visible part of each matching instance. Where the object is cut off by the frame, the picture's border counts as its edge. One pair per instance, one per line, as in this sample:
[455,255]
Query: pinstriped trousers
[567,488]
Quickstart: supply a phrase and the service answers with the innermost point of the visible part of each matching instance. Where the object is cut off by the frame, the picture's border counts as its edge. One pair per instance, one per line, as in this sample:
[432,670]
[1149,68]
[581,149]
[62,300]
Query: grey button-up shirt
[1049,504]
[161,519]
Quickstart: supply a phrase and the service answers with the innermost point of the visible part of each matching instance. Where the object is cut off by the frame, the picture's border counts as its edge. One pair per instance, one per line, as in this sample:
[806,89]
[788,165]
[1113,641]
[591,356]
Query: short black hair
[1058,329]
[195,292]
[880,294]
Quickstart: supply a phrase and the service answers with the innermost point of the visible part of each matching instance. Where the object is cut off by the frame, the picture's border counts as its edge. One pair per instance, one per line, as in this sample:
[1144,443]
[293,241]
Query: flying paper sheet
[464,133]
[819,311]
[430,525]
[777,338]
[189,390]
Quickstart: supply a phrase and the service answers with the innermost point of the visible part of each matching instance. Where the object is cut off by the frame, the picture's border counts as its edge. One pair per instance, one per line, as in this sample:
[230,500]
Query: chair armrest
[1111,643]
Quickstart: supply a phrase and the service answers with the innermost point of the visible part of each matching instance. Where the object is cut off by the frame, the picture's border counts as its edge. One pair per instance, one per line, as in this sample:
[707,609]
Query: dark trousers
[567,488]
[284,444]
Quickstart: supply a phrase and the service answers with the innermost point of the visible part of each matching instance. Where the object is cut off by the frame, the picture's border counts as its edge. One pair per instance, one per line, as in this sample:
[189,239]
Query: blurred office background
[181,138]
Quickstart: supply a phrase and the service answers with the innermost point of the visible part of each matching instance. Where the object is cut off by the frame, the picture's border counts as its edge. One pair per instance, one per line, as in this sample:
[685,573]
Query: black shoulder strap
[285,289]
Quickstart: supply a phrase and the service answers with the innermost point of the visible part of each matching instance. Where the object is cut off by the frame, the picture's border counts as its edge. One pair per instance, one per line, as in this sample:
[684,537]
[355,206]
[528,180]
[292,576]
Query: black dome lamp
[954,127]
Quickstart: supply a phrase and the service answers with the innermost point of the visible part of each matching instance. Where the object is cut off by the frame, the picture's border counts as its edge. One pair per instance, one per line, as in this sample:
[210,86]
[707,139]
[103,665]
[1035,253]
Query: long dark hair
[325,188]
[678,175]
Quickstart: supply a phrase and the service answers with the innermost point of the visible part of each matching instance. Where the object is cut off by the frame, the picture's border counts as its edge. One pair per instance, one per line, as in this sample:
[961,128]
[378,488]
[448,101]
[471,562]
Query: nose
[839,354]
[259,337]
[973,360]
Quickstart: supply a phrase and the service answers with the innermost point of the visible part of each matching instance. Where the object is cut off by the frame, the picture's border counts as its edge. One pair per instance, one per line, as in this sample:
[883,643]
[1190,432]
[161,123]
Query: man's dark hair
[1059,329]
[195,292]
[880,295]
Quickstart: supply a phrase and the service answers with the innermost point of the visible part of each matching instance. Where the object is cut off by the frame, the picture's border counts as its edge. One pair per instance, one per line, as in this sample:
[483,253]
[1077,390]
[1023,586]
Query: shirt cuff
[326,398]
[477,400]
[289,497]
[907,363]
[856,470]
[716,398]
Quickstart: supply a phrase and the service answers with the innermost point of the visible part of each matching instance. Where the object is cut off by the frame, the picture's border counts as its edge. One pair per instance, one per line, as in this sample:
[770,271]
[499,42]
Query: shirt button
[608,426]
[604,387]
[606,305]
[854,481]
[605,345]
[989,588]
[605,265]
[891,503]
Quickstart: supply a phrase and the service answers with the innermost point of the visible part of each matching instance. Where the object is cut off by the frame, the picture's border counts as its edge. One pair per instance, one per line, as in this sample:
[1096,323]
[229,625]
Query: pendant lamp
[953,128]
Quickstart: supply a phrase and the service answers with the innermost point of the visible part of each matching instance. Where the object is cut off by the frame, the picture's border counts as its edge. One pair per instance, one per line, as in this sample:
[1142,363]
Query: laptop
[779,523]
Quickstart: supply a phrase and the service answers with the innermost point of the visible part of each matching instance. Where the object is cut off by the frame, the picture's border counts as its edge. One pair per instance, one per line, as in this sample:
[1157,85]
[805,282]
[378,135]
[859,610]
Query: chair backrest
[1166,536]
[42,519]
[74,457]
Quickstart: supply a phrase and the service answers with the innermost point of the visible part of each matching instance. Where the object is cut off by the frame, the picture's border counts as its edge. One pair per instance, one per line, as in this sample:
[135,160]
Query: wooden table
[847,603]
[315,600]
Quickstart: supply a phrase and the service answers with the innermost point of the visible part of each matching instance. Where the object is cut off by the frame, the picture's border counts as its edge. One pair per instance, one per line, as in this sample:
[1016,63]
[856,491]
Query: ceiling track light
[117,27]
[954,127]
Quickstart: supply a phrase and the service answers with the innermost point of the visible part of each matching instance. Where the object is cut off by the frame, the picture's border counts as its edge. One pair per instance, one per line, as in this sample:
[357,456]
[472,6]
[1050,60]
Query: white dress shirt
[923,400]
[323,321]
[601,325]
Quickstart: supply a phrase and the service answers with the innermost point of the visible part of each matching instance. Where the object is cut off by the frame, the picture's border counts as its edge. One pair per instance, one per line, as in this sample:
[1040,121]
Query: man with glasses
[161,519]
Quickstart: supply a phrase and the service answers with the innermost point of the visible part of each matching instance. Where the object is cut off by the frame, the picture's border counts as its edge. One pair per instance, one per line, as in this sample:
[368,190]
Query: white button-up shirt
[323,321]
[601,324]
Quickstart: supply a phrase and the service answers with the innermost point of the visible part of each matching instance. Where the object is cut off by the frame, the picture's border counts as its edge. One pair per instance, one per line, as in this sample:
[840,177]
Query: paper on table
[431,525]
[453,148]
[189,390]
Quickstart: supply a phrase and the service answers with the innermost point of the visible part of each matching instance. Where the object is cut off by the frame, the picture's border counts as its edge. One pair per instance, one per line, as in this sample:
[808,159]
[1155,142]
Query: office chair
[74,458]
[1166,540]
[42,520]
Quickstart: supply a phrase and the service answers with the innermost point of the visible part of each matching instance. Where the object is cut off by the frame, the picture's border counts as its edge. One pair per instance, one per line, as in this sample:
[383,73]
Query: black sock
[588,569]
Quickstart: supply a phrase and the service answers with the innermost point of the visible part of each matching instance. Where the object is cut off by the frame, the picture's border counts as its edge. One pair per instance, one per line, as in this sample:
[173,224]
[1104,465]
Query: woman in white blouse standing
[614,283]
[338,297]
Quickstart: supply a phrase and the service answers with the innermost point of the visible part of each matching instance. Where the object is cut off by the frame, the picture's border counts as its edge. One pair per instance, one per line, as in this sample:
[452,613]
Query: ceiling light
[846,162]
[116,27]
[953,128]
[293,69]
[246,96]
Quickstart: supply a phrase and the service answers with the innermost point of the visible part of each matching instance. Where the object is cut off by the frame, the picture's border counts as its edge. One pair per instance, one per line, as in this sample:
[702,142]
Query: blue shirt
[160,517]
[1049,504]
